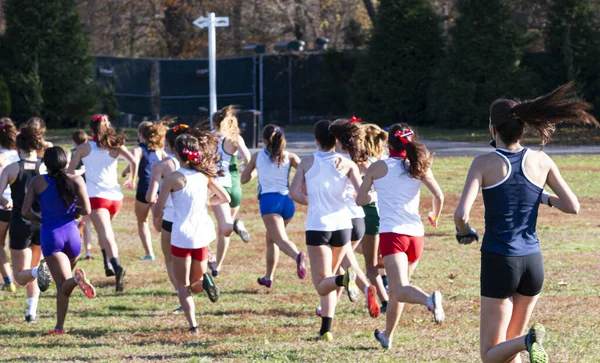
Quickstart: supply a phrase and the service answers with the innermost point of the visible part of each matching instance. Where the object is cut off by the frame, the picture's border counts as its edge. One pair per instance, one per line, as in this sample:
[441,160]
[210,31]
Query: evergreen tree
[392,79]
[5,105]
[46,57]
[573,46]
[483,63]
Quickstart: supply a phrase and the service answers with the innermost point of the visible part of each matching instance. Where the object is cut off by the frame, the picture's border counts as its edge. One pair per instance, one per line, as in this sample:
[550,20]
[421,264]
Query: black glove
[465,238]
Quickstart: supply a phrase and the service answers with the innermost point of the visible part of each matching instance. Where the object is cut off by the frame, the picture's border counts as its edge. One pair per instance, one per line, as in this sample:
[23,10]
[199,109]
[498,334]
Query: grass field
[252,323]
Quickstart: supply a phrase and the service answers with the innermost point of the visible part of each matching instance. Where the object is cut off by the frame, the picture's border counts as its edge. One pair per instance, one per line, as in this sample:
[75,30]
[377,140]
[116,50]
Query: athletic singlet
[101,174]
[511,209]
[398,202]
[227,164]
[273,177]
[326,187]
[349,197]
[192,226]
[12,156]
[54,211]
[168,212]
[28,169]
[149,158]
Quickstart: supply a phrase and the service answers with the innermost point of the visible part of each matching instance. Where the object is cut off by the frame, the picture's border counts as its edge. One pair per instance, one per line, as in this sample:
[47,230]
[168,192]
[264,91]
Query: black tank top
[27,170]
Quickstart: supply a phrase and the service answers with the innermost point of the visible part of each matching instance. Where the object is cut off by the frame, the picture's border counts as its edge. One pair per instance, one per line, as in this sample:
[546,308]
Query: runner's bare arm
[564,200]
[249,172]
[469,194]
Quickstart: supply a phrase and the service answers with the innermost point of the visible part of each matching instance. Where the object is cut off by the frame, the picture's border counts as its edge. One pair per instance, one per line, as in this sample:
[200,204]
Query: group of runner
[362,189]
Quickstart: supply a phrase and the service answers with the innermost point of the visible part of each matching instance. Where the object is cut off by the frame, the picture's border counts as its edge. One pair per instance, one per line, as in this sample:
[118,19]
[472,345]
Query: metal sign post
[211,22]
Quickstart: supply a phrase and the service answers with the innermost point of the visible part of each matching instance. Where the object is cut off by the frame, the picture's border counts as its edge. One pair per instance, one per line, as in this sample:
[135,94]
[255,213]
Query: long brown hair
[274,143]
[200,152]
[31,135]
[8,134]
[401,138]
[509,117]
[323,135]
[350,135]
[374,140]
[105,135]
[55,159]
[154,133]
[227,123]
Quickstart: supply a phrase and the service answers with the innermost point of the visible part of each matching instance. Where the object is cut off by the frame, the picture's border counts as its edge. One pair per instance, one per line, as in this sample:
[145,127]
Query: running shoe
[88,257]
[194,330]
[120,283]
[264,282]
[212,291]
[56,332]
[386,343]
[383,309]
[434,304]
[240,229]
[43,278]
[301,265]
[9,287]
[109,271]
[372,304]
[215,273]
[148,258]
[350,284]
[88,289]
[534,341]
[327,336]
[30,318]
[319,312]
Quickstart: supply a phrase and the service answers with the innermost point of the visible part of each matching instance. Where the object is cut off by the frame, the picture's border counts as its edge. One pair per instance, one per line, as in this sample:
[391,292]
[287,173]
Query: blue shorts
[63,239]
[275,203]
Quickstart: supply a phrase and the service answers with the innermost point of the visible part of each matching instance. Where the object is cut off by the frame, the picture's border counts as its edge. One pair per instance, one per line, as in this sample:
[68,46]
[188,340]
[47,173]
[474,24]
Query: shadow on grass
[151,357]
[267,312]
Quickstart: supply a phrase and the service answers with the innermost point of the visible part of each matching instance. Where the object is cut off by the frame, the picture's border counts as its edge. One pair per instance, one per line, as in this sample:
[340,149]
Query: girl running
[160,171]
[512,180]
[80,137]
[25,235]
[324,176]
[8,155]
[193,228]
[273,165]
[374,140]
[148,152]
[60,199]
[100,158]
[401,229]
[231,143]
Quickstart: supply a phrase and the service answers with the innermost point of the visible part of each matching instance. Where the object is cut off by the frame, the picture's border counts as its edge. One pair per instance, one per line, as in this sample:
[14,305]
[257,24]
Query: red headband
[355,119]
[192,155]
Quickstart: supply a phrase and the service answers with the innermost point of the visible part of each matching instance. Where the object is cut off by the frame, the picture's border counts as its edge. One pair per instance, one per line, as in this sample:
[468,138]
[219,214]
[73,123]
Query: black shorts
[141,197]
[5,216]
[323,238]
[358,229]
[503,276]
[23,234]
[167,226]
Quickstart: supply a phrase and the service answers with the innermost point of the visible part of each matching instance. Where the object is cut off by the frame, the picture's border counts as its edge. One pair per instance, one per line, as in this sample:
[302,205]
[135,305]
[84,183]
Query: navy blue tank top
[511,210]
[54,211]
[149,158]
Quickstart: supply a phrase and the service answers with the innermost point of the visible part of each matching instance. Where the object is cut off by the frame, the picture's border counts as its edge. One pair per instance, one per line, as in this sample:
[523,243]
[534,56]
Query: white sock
[366,289]
[430,302]
[34,272]
[32,303]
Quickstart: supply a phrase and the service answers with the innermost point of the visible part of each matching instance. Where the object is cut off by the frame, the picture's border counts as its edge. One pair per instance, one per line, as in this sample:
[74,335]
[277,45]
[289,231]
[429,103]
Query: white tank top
[101,177]
[326,187]
[398,200]
[272,177]
[349,197]
[168,212]
[12,156]
[225,180]
[192,226]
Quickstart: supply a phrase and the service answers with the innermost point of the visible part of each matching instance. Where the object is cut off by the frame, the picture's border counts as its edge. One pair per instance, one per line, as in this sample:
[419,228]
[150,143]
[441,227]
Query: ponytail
[105,135]
[55,160]
[374,140]
[227,123]
[403,142]
[350,135]
[8,134]
[200,152]
[541,115]
[154,133]
[274,143]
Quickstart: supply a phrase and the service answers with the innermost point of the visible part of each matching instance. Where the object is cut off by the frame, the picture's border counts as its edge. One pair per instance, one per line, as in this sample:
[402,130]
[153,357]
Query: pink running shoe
[301,265]
[264,282]
[88,289]
[372,304]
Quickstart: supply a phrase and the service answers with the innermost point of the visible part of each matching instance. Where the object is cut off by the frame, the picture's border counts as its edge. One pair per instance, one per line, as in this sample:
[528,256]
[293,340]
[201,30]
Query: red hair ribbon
[99,118]
[95,138]
[192,155]
[355,119]
[398,153]
[176,128]
[403,136]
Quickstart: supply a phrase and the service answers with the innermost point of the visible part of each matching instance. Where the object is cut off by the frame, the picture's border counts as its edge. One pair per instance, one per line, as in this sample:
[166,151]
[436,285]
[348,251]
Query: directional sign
[204,22]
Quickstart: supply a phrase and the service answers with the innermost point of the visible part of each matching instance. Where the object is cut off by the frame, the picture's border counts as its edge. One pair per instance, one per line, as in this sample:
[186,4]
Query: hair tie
[403,136]
[192,155]
[176,128]
[99,118]
[355,119]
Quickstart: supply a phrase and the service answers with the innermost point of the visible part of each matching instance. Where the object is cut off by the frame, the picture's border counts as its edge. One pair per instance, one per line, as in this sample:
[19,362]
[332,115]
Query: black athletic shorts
[141,197]
[167,226]
[23,234]
[358,229]
[323,238]
[5,216]
[503,276]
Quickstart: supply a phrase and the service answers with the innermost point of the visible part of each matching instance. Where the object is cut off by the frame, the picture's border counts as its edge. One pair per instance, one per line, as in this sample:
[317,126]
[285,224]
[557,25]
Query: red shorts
[198,254]
[393,243]
[112,206]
